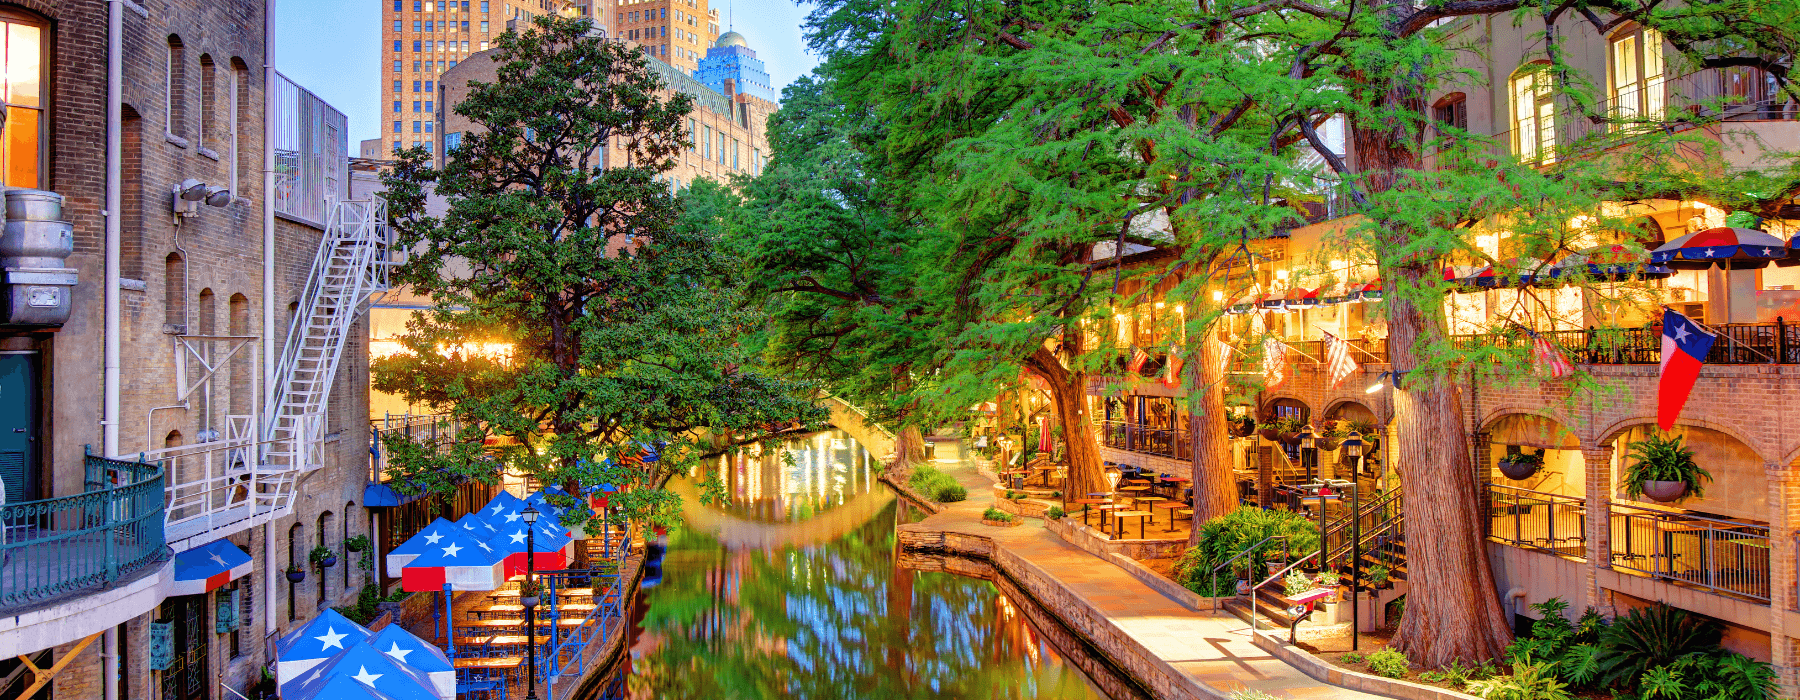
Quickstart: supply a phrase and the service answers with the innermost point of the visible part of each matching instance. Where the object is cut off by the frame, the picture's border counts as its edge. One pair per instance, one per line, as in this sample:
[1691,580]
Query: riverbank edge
[1162,680]
[602,665]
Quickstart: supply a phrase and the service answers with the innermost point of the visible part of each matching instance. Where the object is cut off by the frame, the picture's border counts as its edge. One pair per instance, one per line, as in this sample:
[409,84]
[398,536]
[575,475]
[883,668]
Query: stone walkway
[1212,649]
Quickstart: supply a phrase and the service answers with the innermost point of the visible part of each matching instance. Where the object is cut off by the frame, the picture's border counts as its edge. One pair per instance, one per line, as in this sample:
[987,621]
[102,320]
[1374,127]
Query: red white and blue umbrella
[404,647]
[477,526]
[1511,272]
[307,646]
[417,544]
[1301,298]
[459,561]
[1244,304]
[1727,247]
[365,665]
[209,566]
[552,550]
[1612,262]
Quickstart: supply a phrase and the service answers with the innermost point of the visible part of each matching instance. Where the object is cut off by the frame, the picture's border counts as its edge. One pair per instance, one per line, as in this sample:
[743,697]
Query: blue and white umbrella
[337,688]
[363,663]
[307,646]
[417,544]
[402,646]
[459,561]
[209,566]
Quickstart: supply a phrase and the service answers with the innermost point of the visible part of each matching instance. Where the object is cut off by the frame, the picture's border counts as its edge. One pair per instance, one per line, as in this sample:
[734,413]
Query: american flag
[1338,362]
[1548,356]
[1172,367]
[1138,358]
[1274,361]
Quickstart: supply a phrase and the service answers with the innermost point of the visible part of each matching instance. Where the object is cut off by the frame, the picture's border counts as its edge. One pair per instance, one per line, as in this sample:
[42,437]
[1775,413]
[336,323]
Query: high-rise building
[730,58]
[676,32]
[420,39]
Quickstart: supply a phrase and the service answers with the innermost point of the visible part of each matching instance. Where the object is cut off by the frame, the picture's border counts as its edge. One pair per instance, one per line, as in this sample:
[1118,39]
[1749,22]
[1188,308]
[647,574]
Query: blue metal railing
[60,546]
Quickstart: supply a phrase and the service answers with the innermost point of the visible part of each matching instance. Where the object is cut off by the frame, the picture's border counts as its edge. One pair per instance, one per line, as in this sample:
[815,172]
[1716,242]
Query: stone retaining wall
[1089,539]
[1144,667]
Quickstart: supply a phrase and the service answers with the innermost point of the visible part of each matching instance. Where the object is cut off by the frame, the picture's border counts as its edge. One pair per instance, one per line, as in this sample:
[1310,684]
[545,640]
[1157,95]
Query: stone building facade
[194,95]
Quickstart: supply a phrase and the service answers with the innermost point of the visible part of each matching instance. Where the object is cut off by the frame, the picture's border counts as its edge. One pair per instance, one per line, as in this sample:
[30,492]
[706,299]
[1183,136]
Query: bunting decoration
[1550,358]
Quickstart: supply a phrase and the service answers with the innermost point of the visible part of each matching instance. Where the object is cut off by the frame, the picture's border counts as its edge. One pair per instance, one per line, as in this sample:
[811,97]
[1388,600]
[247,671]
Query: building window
[416,127]
[397,28]
[397,128]
[396,5]
[1534,114]
[428,87]
[396,46]
[397,86]
[452,141]
[417,45]
[734,154]
[428,106]
[706,153]
[175,90]
[428,26]
[396,105]
[1637,74]
[416,85]
[416,105]
[484,26]
[1451,115]
[209,103]
[21,152]
[396,66]
[241,120]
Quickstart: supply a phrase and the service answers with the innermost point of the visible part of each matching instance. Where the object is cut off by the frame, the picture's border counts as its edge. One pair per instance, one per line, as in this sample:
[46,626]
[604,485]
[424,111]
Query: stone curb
[1321,671]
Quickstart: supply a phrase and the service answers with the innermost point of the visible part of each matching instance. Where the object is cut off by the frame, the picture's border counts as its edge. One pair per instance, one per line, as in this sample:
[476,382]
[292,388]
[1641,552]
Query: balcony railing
[1145,440]
[433,429]
[1713,554]
[58,547]
[1776,342]
[1529,519]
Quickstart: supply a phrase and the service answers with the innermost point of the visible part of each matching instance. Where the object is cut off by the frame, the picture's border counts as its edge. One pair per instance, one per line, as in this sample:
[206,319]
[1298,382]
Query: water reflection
[834,619]
[794,479]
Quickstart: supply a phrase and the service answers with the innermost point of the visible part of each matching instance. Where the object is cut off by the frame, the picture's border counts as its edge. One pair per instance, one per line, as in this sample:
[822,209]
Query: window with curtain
[1534,115]
[1637,74]
[22,151]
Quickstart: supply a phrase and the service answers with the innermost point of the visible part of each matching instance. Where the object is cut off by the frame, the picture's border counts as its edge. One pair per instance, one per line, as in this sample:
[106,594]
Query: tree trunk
[1214,493]
[1068,393]
[1453,610]
[909,449]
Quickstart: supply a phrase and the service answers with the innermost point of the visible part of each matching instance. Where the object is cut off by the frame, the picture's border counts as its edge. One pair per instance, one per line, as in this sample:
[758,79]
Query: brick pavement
[1213,649]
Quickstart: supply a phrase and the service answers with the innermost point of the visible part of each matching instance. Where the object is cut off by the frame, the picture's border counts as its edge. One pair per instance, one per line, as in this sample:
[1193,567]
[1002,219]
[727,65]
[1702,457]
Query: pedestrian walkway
[1214,649]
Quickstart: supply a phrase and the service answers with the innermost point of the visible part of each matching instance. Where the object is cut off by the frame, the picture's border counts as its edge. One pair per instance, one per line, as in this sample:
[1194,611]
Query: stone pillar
[1598,468]
[1784,515]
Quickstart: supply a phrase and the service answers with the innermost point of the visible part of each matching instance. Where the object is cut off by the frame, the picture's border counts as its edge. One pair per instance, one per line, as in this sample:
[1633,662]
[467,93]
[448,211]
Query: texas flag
[1684,348]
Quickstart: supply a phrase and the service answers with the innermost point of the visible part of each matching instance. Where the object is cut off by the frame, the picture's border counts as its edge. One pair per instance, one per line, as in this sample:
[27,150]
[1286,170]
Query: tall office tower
[677,32]
[423,38]
[730,58]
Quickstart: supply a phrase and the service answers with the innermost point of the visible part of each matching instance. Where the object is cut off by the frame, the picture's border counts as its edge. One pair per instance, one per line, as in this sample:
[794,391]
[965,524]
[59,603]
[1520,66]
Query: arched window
[209,104]
[175,92]
[175,292]
[296,560]
[22,152]
[1534,113]
[345,524]
[1635,67]
[1451,112]
[241,122]
[239,372]
[324,583]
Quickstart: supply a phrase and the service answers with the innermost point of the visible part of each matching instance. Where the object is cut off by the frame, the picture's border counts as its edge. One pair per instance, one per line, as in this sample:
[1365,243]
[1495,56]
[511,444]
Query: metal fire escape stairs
[350,267]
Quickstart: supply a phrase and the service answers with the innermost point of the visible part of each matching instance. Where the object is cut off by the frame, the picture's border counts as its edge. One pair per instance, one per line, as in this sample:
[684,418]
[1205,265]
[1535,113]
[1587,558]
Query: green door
[18,426]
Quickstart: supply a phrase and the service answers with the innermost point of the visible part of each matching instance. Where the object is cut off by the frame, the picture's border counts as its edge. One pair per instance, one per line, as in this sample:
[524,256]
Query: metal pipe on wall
[270,570]
[115,161]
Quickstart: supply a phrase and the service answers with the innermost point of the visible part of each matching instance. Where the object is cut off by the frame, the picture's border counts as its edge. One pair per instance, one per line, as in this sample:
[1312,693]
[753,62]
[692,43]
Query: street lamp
[530,516]
[1309,457]
[1353,449]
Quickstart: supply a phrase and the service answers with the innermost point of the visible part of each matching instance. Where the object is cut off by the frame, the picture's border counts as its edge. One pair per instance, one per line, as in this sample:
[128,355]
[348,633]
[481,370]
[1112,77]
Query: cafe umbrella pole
[530,516]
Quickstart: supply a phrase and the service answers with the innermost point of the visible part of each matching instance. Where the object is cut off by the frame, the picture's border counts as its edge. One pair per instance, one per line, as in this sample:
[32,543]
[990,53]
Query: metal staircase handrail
[1213,576]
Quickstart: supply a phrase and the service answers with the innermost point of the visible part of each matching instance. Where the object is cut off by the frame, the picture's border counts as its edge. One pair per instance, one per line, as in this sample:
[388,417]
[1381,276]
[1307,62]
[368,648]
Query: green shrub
[1224,537]
[363,612]
[1351,658]
[1662,458]
[952,493]
[1297,582]
[1055,513]
[1252,694]
[1651,637]
[1528,682]
[997,515]
[936,485]
[1715,675]
[1388,663]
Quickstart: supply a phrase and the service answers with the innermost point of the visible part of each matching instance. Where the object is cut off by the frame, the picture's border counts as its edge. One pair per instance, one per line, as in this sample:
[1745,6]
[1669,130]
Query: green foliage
[936,485]
[363,612]
[1650,637]
[1379,574]
[1663,458]
[1297,582]
[1388,663]
[319,554]
[399,595]
[1528,681]
[1352,658]
[1055,513]
[359,543]
[1286,424]
[997,515]
[1714,675]
[1244,529]
[1252,694]
[1456,675]
[583,311]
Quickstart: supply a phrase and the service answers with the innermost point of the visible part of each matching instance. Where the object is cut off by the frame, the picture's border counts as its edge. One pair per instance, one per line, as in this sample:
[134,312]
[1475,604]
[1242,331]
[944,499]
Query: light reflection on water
[838,619]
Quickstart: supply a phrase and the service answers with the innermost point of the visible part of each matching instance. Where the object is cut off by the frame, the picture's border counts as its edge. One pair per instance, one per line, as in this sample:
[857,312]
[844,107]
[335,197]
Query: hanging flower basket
[1519,467]
[1665,491]
[1240,428]
[1269,434]
[296,576]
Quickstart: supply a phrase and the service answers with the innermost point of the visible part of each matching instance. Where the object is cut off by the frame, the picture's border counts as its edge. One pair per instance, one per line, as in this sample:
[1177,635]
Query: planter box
[998,523]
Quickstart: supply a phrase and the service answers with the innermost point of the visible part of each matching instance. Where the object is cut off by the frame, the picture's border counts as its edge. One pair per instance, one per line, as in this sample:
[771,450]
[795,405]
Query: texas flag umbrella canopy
[400,645]
[412,548]
[1613,262]
[551,548]
[502,502]
[363,663]
[309,645]
[337,688]
[1727,247]
[460,561]
[209,566]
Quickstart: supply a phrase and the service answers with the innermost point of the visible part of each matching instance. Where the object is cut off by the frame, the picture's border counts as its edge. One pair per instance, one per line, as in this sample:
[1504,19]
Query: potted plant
[1330,433]
[1521,465]
[323,557]
[1297,583]
[295,574]
[1330,579]
[358,543]
[529,592]
[1286,430]
[1379,576]
[1663,470]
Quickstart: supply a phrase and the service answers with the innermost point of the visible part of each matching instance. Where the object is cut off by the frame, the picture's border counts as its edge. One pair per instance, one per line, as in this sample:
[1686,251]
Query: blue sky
[332,48]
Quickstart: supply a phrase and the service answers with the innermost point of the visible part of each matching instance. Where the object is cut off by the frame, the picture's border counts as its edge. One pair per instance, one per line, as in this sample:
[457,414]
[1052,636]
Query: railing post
[1780,341]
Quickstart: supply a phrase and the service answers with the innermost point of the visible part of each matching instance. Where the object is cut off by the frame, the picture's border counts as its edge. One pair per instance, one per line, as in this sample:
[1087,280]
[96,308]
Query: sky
[332,47]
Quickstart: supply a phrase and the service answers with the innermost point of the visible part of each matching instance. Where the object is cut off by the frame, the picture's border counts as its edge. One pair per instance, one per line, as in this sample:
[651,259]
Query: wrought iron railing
[1537,520]
[1145,440]
[1713,554]
[434,429]
[58,547]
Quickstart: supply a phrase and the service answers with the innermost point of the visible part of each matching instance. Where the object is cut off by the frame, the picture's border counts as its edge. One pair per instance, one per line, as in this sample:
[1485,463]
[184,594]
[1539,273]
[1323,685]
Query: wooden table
[1104,510]
[563,593]
[511,623]
[1173,507]
[516,608]
[1088,502]
[1141,515]
[1176,483]
[1139,501]
[498,640]
[500,662]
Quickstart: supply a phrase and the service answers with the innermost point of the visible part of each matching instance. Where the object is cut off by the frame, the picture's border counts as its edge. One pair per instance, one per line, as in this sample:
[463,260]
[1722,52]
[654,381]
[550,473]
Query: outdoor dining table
[492,640]
[1140,501]
[516,623]
[1141,516]
[562,593]
[1108,508]
[1088,502]
[518,609]
[1176,483]
[499,662]
[1172,507]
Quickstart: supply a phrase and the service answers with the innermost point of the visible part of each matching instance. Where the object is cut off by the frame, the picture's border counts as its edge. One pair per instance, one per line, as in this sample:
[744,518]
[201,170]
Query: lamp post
[1309,458]
[530,516]
[1353,448]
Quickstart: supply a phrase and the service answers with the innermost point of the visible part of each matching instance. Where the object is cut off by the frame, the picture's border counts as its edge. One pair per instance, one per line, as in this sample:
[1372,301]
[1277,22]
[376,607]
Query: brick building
[1568,529]
[153,338]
